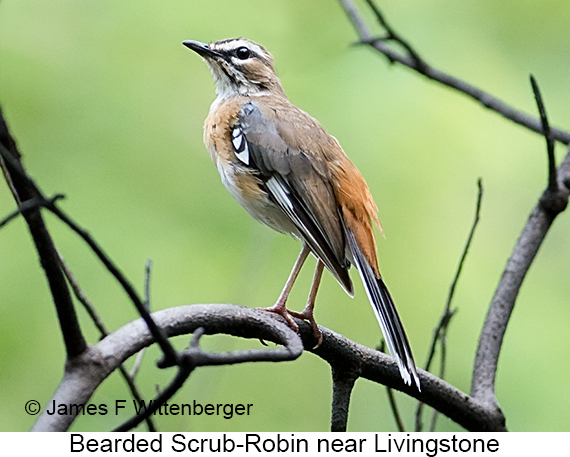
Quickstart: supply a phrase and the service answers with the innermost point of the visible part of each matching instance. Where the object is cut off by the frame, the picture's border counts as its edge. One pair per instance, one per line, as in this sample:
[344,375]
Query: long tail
[386,313]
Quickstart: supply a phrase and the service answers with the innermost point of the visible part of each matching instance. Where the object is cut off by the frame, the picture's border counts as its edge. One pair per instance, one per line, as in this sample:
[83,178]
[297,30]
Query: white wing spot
[240,145]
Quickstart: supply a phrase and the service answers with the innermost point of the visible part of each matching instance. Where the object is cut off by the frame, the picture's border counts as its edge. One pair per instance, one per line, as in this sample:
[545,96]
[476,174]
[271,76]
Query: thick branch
[84,374]
[342,389]
[498,315]
[25,190]
[345,372]
[381,368]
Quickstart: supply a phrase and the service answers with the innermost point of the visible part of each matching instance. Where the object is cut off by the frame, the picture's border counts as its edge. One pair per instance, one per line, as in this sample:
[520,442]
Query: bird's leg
[280,306]
[307,313]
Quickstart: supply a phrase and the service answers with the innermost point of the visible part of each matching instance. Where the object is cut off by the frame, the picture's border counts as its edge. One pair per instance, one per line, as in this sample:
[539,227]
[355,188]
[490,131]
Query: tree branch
[88,366]
[34,203]
[392,35]
[551,203]
[161,340]
[25,190]
[414,62]
[441,328]
[381,368]
[552,179]
[343,383]
[88,306]
[392,397]
[140,355]
[499,313]
[85,373]
[395,410]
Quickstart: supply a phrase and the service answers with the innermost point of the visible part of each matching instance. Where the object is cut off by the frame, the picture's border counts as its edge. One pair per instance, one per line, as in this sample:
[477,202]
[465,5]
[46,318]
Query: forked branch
[550,204]
[411,59]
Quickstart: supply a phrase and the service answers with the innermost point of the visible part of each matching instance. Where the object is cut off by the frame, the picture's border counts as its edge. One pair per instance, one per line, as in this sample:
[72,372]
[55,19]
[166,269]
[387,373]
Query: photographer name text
[225,410]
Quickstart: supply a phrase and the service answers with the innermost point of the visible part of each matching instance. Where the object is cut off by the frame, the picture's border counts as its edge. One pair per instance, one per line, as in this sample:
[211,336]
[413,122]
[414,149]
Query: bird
[288,173]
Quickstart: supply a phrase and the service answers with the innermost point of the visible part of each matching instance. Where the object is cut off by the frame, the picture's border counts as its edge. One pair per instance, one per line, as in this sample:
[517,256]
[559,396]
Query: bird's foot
[280,309]
[307,314]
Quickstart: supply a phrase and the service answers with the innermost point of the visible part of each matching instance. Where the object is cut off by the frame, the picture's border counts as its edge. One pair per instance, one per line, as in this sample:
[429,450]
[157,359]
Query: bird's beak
[201,48]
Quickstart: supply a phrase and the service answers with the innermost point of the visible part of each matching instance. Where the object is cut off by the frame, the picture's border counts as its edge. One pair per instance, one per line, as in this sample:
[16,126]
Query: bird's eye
[243,53]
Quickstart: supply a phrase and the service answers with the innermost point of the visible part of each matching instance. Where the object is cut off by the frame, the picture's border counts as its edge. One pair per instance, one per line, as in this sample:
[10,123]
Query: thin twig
[479,95]
[170,355]
[147,270]
[392,398]
[391,34]
[552,181]
[440,331]
[442,365]
[184,371]
[33,203]
[140,355]
[83,299]
[103,331]
[395,410]
[467,245]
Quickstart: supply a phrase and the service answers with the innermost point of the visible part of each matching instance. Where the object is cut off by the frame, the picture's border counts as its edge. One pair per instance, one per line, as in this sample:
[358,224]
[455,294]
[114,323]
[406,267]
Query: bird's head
[239,66]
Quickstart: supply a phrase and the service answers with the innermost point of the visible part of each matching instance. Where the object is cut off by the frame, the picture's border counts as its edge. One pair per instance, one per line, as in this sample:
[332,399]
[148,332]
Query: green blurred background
[107,107]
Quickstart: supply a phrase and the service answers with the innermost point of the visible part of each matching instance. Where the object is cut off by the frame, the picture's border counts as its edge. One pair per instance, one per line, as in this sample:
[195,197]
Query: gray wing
[294,184]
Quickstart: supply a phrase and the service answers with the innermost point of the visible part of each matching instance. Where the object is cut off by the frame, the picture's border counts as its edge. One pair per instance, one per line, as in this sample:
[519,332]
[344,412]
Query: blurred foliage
[107,107]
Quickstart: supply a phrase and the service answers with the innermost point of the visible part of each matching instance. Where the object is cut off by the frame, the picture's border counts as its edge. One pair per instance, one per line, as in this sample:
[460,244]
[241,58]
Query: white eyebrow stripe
[234,44]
